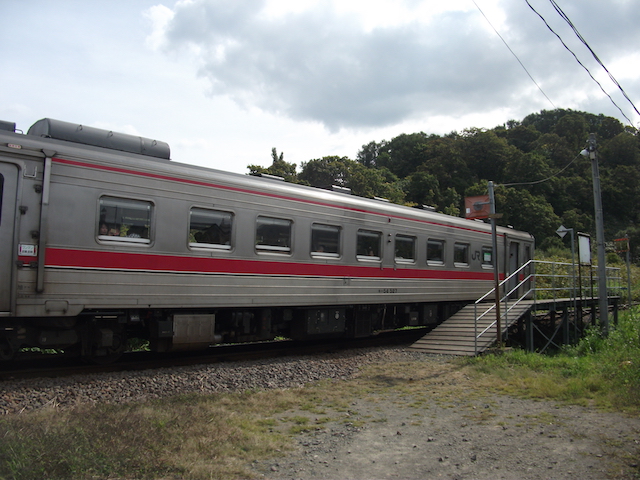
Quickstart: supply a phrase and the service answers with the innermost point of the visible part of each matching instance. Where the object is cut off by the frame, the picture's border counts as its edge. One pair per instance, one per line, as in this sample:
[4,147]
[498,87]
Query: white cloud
[160,16]
[375,64]
[224,81]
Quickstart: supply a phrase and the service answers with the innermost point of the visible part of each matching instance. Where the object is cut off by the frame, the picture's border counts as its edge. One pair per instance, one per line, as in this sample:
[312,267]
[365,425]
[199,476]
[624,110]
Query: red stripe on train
[89,259]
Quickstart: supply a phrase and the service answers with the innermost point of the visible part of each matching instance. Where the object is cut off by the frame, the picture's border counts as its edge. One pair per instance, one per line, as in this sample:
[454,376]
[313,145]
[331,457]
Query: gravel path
[523,440]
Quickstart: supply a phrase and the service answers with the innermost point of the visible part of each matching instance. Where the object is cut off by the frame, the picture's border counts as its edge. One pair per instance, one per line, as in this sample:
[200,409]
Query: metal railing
[542,280]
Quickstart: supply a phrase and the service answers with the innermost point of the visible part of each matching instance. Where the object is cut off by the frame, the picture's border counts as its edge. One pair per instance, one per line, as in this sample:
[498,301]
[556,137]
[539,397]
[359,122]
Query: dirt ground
[396,433]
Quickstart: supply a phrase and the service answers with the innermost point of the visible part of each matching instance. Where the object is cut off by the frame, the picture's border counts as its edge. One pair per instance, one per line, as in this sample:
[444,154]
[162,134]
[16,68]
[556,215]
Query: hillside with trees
[541,179]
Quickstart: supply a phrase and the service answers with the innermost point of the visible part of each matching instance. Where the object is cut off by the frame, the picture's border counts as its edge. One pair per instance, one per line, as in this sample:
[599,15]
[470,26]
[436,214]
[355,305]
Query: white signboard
[584,249]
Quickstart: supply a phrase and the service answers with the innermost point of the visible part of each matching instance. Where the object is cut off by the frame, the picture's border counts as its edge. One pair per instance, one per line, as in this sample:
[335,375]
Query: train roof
[68,139]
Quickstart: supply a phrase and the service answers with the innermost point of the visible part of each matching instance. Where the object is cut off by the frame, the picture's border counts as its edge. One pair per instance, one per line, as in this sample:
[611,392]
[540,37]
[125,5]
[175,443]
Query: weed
[604,370]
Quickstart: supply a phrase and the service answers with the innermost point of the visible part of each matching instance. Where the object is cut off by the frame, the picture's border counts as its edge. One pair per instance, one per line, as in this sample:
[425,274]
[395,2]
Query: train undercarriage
[103,336]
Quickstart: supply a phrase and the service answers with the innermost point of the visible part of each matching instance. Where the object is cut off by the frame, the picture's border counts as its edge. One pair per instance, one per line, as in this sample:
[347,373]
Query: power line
[566,18]
[513,53]
[543,180]
[577,60]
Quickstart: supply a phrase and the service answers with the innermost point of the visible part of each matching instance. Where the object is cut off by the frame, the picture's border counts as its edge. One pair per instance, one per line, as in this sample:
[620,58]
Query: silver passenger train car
[104,238]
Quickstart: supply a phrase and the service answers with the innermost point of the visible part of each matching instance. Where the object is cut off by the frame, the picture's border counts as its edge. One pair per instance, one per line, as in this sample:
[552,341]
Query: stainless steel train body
[102,237]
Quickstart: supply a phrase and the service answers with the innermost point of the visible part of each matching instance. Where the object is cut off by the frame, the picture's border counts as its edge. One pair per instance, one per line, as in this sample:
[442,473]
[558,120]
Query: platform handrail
[559,277]
[527,279]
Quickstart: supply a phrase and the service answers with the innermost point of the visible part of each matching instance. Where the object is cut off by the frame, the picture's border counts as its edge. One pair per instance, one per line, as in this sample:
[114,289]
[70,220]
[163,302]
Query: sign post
[484,206]
[496,277]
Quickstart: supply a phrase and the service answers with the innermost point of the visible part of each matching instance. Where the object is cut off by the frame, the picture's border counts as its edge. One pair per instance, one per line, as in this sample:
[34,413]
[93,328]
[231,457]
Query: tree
[546,120]
[522,137]
[621,194]
[369,153]
[371,182]
[623,149]
[422,188]
[486,154]
[326,171]
[608,127]
[451,202]
[556,150]
[403,153]
[579,221]
[574,129]
[527,212]
[443,159]
[531,168]
[278,167]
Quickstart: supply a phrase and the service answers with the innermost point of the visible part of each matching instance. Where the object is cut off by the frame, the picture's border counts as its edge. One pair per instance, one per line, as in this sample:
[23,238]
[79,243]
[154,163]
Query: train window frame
[401,259]
[440,259]
[226,239]
[263,221]
[487,257]
[143,233]
[365,242]
[318,247]
[461,254]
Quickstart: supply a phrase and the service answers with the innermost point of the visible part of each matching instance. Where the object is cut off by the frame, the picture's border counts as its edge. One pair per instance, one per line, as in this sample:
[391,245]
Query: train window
[461,254]
[435,252]
[210,228]
[487,257]
[273,234]
[325,240]
[368,245]
[405,249]
[124,220]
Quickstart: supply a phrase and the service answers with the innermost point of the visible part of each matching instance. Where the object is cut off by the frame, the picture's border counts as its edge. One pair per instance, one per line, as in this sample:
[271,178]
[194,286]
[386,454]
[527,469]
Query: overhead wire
[513,53]
[540,181]
[539,88]
[566,18]
[578,60]
[581,38]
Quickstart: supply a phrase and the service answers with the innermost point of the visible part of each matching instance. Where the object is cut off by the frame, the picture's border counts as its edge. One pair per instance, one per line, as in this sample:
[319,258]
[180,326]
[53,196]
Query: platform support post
[529,332]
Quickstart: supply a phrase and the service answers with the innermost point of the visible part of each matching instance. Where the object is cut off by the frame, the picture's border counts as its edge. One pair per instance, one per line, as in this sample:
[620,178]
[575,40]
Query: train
[104,239]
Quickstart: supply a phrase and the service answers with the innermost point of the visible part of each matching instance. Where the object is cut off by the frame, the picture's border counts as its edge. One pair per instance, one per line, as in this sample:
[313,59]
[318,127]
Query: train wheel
[105,355]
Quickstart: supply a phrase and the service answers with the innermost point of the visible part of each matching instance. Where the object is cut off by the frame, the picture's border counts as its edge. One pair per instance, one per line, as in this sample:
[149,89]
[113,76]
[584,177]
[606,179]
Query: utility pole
[597,201]
[494,247]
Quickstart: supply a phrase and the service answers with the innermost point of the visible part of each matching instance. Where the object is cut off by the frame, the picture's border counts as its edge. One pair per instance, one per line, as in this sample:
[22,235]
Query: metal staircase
[464,334]
[472,330]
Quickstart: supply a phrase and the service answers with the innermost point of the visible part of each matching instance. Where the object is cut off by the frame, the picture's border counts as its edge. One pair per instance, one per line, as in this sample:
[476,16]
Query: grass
[218,436]
[181,437]
[600,371]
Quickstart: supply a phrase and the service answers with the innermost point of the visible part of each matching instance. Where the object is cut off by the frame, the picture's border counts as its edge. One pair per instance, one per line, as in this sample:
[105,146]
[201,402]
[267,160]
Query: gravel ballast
[287,372]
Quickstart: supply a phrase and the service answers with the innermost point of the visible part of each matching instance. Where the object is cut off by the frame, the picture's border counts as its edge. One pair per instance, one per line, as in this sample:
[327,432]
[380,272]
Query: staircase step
[456,335]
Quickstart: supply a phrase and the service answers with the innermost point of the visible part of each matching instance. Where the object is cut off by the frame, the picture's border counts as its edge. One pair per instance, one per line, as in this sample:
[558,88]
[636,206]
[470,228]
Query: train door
[8,188]
[514,264]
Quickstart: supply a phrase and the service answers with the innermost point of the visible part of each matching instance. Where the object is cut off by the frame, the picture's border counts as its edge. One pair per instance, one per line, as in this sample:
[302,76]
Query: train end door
[8,191]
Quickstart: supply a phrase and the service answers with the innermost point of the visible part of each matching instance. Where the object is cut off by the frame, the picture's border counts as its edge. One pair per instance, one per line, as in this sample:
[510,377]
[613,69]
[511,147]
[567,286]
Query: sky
[225,81]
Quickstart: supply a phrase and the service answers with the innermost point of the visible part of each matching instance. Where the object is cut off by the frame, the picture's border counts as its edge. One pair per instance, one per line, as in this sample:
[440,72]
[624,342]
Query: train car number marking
[387,290]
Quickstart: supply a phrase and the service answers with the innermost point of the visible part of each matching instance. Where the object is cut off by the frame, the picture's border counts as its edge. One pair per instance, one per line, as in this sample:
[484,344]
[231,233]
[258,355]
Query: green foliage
[327,171]
[278,167]
[600,370]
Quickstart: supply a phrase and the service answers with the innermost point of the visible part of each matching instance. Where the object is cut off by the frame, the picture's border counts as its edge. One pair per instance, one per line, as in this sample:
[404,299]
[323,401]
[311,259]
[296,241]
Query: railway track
[52,366]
